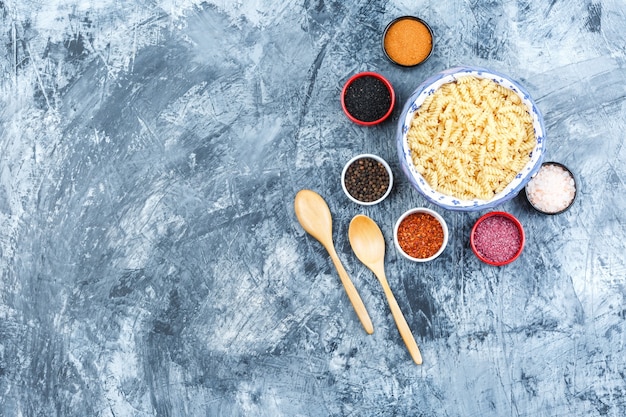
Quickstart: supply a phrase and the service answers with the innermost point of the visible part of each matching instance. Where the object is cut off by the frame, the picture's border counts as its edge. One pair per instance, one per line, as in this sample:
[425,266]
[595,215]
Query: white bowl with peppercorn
[367,179]
[420,234]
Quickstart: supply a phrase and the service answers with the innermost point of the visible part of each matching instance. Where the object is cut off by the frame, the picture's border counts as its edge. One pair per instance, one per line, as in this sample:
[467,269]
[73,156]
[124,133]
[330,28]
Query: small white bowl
[376,158]
[437,216]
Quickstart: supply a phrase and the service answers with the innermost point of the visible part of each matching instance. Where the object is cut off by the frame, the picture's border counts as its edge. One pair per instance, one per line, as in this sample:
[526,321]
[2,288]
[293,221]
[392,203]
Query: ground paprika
[408,41]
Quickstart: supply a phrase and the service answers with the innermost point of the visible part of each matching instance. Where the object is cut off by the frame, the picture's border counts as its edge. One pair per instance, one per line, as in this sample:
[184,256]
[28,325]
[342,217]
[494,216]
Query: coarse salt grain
[497,239]
[552,190]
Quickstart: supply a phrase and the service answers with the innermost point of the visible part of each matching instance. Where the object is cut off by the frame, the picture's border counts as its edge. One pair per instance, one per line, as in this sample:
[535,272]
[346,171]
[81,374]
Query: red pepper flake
[420,235]
[497,239]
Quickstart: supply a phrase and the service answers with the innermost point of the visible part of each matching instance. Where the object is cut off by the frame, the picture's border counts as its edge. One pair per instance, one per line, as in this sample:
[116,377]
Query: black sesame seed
[367,99]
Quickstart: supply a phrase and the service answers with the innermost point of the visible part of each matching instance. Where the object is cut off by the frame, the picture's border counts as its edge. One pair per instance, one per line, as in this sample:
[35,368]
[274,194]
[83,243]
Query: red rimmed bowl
[367,98]
[497,238]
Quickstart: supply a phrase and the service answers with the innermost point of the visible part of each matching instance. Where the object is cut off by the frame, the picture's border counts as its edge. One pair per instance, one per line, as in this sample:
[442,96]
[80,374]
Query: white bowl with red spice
[420,234]
[552,190]
[497,238]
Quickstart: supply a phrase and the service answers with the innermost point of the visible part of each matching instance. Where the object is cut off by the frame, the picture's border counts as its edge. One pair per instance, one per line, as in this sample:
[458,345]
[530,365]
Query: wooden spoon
[368,244]
[314,216]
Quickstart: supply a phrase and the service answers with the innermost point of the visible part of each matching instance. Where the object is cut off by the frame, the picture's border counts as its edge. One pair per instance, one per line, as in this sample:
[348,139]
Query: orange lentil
[420,235]
[408,41]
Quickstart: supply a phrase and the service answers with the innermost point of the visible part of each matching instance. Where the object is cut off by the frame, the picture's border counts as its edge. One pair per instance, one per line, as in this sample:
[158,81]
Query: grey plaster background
[150,260]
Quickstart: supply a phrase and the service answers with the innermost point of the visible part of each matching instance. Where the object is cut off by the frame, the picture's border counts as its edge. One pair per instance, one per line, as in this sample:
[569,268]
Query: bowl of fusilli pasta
[470,139]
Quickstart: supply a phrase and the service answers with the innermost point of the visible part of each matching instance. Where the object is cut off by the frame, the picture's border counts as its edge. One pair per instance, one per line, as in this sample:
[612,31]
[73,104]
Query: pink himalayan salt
[552,190]
[497,239]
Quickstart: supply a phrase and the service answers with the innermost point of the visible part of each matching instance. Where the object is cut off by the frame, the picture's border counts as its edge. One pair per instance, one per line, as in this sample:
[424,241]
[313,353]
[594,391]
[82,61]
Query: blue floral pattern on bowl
[416,99]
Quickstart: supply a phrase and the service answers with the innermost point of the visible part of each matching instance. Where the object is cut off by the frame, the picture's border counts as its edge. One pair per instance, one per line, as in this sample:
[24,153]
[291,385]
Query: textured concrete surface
[151,262]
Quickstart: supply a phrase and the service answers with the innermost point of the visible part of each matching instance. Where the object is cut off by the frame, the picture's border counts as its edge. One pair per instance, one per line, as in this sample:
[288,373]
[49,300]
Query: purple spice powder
[497,239]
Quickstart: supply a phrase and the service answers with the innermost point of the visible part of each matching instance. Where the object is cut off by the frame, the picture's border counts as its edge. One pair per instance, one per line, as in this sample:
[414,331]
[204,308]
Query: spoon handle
[403,326]
[353,295]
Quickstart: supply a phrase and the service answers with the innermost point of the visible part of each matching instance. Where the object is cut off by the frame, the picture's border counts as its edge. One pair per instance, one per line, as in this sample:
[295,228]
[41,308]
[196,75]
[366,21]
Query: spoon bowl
[367,240]
[315,217]
[368,244]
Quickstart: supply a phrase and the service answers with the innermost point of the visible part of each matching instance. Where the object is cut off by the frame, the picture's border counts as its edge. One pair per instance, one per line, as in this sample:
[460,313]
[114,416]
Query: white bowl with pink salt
[497,238]
[552,190]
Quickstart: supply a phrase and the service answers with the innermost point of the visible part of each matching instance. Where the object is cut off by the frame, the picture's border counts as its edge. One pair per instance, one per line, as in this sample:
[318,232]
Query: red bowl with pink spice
[497,238]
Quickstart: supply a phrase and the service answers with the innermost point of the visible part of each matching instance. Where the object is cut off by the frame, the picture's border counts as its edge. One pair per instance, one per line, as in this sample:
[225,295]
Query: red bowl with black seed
[497,238]
[420,234]
[367,179]
[367,98]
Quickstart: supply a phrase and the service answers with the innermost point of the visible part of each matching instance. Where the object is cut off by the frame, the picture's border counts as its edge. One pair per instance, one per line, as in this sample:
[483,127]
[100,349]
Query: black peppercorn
[366,179]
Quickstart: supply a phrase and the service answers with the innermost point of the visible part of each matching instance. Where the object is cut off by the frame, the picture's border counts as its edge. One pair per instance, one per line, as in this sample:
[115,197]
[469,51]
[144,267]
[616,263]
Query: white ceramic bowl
[376,158]
[427,88]
[433,213]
